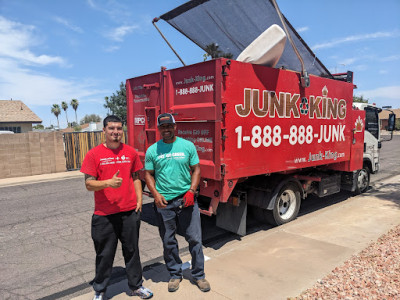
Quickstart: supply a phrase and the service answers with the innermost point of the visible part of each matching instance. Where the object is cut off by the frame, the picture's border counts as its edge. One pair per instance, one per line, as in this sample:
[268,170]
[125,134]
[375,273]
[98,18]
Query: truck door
[143,107]
[372,136]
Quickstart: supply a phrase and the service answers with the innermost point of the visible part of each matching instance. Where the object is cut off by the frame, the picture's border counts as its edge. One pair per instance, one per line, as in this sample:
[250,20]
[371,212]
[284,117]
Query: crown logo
[359,124]
[325,91]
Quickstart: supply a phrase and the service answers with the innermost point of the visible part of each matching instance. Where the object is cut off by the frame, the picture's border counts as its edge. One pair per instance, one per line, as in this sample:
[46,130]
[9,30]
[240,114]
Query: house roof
[86,127]
[384,114]
[17,111]
[71,129]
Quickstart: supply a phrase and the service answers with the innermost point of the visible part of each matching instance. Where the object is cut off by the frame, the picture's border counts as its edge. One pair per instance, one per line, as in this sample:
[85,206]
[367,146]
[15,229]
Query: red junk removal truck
[262,139]
[267,133]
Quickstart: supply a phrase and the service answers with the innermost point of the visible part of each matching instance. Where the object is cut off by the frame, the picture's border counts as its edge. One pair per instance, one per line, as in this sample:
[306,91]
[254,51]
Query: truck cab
[372,135]
[372,142]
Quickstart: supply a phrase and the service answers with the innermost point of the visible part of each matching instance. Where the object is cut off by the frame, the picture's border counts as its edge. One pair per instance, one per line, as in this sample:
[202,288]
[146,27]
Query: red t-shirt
[102,163]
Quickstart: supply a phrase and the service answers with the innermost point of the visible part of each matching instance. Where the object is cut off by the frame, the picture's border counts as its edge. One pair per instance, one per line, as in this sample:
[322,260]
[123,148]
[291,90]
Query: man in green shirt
[172,176]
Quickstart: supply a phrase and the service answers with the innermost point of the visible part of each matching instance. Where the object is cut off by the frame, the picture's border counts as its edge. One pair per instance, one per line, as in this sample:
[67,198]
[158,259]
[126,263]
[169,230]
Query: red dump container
[248,120]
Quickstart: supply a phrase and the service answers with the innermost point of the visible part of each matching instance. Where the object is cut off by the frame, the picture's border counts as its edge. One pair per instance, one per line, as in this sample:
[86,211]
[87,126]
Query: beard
[168,135]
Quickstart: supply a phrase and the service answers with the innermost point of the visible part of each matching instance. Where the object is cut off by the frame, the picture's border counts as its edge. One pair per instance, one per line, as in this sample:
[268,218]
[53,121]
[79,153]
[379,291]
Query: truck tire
[286,206]
[362,180]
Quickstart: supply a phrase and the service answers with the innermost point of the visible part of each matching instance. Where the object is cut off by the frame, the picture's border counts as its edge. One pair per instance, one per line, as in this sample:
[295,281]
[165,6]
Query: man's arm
[138,190]
[189,197]
[151,184]
[195,177]
[94,185]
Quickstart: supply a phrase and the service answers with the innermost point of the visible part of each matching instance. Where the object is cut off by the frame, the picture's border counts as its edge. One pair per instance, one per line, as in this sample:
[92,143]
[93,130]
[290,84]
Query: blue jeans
[187,219]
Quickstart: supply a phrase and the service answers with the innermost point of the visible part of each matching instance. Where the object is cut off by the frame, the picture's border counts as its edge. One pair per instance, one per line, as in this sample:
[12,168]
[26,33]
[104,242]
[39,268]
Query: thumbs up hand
[115,181]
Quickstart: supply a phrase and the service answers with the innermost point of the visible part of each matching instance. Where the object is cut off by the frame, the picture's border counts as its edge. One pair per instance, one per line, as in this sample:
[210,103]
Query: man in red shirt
[111,172]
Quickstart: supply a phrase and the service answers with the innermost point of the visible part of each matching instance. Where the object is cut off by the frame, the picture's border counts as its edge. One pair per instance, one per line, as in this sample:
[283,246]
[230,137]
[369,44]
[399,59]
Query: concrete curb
[39,178]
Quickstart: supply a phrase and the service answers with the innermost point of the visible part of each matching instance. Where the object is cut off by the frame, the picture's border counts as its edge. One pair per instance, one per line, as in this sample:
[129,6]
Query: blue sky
[53,51]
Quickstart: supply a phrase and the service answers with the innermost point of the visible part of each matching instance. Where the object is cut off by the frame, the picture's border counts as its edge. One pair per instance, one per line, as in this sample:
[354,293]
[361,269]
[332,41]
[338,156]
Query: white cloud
[170,62]
[91,4]
[363,59]
[302,29]
[118,34]
[388,92]
[388,95]
[19,81]
[16,40]
[116,10]
[120,14]
[348,61]
[68,24]
[41,89]
[356,38]
[361,67]
[390,58]
[112,48]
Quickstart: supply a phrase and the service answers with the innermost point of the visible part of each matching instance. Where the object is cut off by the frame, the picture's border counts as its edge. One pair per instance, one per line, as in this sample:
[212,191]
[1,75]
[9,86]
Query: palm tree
[64,106]
[56,110]
[107,105]
[75,104]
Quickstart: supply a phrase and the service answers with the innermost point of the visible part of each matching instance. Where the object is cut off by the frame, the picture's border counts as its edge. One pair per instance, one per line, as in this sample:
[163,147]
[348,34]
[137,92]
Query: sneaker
[143,293]
[203,285]
[173,284]
[99,296]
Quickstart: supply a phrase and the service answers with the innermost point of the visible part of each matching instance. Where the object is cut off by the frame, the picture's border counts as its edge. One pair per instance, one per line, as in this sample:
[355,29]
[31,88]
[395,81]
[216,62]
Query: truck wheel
[362,180]
[286,206]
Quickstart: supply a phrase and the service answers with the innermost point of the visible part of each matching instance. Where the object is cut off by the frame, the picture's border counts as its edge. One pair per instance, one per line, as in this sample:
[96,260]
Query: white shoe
[99,296]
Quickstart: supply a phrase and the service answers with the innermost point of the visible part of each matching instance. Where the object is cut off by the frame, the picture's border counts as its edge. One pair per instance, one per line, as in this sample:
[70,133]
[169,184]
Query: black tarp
[234,24]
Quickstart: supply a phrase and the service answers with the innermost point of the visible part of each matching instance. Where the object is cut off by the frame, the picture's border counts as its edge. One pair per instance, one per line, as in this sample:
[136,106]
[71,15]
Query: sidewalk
[39,178]
[286,260]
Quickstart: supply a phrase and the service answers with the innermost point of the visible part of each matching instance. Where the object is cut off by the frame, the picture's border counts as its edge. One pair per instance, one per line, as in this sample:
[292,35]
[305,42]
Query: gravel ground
[372,274]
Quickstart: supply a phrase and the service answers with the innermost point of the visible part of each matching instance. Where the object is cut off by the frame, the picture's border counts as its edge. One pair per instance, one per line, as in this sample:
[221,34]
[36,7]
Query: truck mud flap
[232,218]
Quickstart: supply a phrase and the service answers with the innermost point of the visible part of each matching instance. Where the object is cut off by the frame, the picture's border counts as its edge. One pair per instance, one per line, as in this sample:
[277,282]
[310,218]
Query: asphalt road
[46,249]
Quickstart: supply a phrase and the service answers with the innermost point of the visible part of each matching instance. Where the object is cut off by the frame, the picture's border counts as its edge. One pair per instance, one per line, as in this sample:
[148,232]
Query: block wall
[31,153]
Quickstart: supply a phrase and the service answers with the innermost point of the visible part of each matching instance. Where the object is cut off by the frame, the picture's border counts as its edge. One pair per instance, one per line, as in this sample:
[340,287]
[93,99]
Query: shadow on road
[387,192]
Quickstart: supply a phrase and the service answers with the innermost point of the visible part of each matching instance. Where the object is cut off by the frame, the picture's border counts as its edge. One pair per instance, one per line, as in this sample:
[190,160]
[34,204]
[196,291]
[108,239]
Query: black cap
[165,119]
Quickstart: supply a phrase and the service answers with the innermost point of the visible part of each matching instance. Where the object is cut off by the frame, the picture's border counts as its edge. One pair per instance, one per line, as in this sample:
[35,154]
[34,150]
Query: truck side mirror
[391,122]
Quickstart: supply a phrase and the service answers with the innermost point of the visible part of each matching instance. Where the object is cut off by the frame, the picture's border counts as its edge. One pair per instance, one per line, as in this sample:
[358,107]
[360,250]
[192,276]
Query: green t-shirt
[171,164]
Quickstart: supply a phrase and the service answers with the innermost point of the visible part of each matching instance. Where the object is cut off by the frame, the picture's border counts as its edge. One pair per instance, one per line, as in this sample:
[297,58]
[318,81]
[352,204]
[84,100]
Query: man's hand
[160,201]
[188,198]
[139,205]
[115,181]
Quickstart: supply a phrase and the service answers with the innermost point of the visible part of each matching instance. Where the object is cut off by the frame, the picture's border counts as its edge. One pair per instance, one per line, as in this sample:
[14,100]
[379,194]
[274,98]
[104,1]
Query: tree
[56,110]
[360,99]
[64,106]
[38,126]
[117,103]
[106,99]
[90,118]
[213,51]
[75,103]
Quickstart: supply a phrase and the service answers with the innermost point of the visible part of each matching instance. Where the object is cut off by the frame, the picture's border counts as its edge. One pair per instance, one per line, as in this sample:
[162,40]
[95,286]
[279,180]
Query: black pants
[106,231]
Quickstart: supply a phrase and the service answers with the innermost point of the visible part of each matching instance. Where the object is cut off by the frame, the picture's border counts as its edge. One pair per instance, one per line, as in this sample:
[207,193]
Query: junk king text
[288,106]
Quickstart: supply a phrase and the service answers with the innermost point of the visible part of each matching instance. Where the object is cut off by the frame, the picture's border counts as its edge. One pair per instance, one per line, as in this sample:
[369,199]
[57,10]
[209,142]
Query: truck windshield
[372,121]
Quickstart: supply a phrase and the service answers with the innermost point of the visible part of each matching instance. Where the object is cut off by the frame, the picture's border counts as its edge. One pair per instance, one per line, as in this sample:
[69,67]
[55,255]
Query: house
[94,126]
[87,127]
[71,129]
[16,116]
[384,116]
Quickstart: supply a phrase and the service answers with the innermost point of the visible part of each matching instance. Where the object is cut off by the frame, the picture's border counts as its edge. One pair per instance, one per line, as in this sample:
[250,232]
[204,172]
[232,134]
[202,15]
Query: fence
[77,144]
[32,153]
